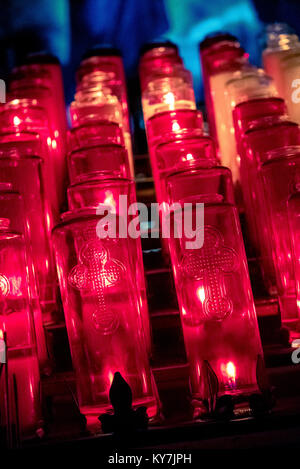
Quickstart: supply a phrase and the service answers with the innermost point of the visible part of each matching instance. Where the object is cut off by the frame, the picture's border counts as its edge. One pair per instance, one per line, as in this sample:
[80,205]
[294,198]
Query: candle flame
[201,294]
[169,98]
[109,200]
[231,370]
[17,121]
[175,127]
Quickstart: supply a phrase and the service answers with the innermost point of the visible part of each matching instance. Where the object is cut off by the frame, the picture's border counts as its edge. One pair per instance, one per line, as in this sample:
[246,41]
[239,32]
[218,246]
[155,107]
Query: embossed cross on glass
[210,264]
[102,309]
[213,288]
[96,273]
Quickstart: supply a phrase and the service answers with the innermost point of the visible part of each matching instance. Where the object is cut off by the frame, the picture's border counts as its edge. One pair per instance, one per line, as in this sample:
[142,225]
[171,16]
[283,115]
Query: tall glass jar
[102,310]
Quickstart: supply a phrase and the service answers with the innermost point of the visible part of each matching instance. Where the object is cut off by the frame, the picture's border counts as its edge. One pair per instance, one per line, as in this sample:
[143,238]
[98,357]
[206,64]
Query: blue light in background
[190,21]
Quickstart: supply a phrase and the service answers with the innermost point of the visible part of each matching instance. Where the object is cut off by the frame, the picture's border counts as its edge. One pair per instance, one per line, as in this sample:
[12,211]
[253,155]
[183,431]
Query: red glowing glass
[181,154]
[16,324]
[251,110]
[99,293]
[168,93]
[213,287]
[12,208]
[108,160]
[108,61]
[21,166]
[167,126]
[294,224]
[106,192]
[99,104]
[156,57]
[25,115]
[44,95]
[215,41]
[95,133]
[280,177]
[219,60]
[265,134]
[39,65]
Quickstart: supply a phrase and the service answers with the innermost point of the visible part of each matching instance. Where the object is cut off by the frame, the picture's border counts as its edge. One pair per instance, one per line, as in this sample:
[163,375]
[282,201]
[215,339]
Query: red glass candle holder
[103,60]
[16,324]
[251,110]
[182,153]
[92,193]
[293,208]
[246,84]
[95,133]
[222,58]
[22,167]
[94,105]
[25,115]
[167,126]
[108,160]
[35,89]
[40,64]
[108,60]
[264,135]
[280,176]
[206,46]
[156,56]
[12,208]
[173,68]
[99,293]
[168,93]
[213,287]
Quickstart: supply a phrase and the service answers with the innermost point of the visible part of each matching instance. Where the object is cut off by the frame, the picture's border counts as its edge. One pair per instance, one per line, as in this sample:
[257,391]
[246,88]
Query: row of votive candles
[102,280]
[255,123]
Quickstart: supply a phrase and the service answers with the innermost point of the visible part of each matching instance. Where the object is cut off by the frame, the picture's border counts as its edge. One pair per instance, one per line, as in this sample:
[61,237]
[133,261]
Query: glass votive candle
[210,44]
[168,69]
[109,60]
[16,326]
[39,64]
[293,207]
[181,153]
[264,135]
[218,65]
[99,293]
[213,288]
[21,166]
[154,57]
[245,112]
[167,126]
[96,104]
[280,175]
[246,84]
[35,89]
[109,160]
[12,208]
[222,111]
[27,115]
[168,94]
[281,42]
[117,194]
[95,133]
